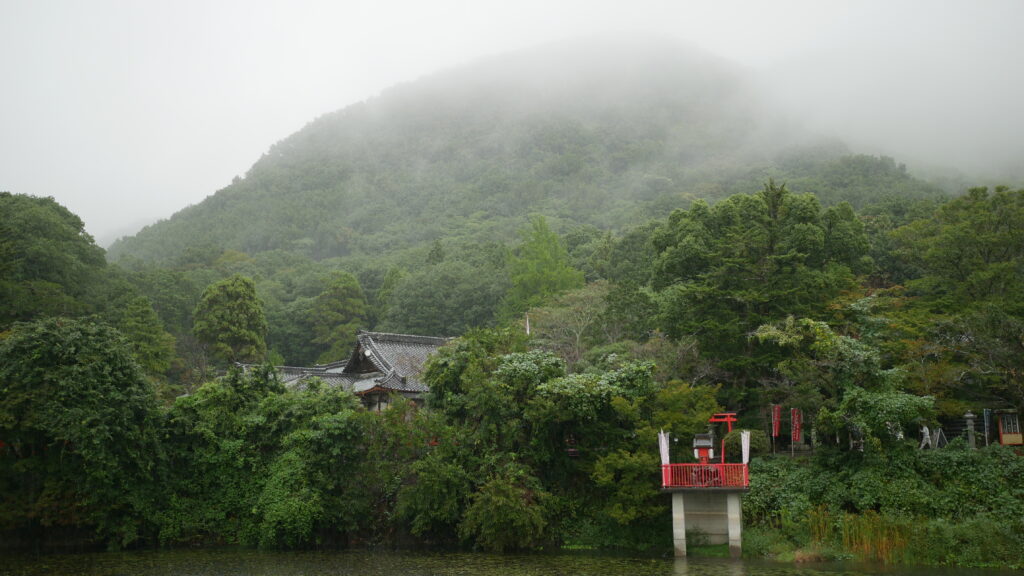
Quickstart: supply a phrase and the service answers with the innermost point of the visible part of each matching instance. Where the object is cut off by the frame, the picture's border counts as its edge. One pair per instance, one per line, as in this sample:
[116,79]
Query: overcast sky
[127,111]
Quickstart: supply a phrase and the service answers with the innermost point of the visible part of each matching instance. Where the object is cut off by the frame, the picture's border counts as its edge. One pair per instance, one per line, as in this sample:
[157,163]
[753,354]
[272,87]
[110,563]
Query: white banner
[663,445]
[745,445]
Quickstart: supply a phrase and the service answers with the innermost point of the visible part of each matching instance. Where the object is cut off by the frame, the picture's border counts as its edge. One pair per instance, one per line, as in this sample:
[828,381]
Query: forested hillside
[598,133]
[677,254]
[420,193]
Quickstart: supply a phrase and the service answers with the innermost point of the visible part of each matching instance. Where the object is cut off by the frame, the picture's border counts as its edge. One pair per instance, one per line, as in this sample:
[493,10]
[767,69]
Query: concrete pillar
[734,510]
[679,524]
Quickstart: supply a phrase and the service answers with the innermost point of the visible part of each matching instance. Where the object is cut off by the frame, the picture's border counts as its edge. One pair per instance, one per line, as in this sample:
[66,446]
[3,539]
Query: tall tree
[970,249]
[152,345]
[750,260]
[338,313]
[229,320]
[540,269]
[571,321]
[969,262]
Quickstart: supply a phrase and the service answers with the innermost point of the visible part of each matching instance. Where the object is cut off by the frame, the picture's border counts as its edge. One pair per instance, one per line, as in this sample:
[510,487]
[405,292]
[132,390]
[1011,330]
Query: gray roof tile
[380,360]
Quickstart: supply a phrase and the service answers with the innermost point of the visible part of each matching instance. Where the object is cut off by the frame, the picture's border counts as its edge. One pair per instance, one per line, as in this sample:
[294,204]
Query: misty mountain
[597,132]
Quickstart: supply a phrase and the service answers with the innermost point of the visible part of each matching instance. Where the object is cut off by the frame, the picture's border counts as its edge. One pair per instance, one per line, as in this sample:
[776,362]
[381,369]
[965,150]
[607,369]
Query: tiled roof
[380,360]
[333,367]
[400,357]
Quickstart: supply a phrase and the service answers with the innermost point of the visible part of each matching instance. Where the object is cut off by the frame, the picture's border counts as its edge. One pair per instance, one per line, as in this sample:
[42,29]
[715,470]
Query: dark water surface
[249,562]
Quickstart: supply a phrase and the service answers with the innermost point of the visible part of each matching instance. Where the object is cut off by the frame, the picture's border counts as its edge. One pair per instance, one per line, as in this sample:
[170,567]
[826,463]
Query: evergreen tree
[152,346]
[723,271]
[229,320]
[338,313]
[540,269]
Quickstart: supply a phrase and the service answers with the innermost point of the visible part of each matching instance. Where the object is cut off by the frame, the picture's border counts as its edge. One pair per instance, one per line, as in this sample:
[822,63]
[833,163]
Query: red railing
[704,476]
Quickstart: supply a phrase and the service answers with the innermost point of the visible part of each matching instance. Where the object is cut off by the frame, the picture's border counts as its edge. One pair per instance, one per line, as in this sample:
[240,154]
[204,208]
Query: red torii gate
[728,418]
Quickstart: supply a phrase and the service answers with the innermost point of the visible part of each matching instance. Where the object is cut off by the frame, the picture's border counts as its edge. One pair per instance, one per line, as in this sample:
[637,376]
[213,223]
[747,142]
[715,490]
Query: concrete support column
[734,510]
[679,524]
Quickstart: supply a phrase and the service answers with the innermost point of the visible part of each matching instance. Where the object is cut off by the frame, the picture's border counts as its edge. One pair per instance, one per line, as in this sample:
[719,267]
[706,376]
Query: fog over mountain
[128,112]
[605,132]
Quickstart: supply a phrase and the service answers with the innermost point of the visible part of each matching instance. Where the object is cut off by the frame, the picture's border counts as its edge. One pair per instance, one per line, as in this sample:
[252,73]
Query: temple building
[381,365]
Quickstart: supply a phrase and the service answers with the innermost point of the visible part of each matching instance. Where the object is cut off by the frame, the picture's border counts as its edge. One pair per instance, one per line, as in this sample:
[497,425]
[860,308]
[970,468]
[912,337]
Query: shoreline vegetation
[244,461]
[125,422]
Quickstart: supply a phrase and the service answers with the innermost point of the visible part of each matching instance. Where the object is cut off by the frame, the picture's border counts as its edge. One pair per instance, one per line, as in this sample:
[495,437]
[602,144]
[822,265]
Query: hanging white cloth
[663,445]
[745,445]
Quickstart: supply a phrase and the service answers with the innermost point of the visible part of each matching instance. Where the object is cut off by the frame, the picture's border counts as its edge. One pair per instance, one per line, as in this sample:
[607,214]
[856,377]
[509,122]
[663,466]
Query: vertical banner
[663,447]
[796,419]
[776,419]
[745,445]
[987,413]
[666,470]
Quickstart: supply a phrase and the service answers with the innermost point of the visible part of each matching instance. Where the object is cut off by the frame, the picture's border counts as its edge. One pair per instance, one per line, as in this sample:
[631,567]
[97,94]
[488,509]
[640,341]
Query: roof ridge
[335,364]
[411,338]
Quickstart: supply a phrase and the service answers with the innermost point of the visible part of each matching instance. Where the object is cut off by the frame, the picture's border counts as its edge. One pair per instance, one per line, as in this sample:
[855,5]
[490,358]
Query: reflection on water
[255,563]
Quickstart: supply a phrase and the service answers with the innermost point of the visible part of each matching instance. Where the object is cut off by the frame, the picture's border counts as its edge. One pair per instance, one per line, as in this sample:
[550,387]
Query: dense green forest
[907,312]
[586,134]
[676,253]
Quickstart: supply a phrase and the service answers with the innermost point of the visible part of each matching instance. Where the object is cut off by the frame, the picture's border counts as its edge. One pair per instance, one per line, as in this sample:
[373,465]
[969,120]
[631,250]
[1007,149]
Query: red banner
[796,418]
[776,419]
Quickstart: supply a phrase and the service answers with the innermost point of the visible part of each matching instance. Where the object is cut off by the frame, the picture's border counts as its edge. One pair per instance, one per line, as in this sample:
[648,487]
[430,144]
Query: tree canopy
[229,319]
[80,425]
[51,266]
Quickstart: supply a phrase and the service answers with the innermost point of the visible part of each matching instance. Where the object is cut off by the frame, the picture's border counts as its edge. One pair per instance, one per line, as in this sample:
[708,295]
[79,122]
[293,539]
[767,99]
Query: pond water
[255,563]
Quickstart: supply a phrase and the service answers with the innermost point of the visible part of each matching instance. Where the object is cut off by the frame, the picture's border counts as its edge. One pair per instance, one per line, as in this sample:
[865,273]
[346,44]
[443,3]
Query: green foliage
[382,299]
[738,299]
[630,312]
[510,511]
[971,249]
[448,298]
[539,270]
[572,322]
[338,313]
[759,444]
[51,266]
[461,364]
[844,377]
[965,264]
[79,422]
[951,506]
[152,345]
[435,503]
[229,319]
[627,476]
[859,179]
[682,409]
[525,431]
[751,259]
[288,507]
[253,463]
